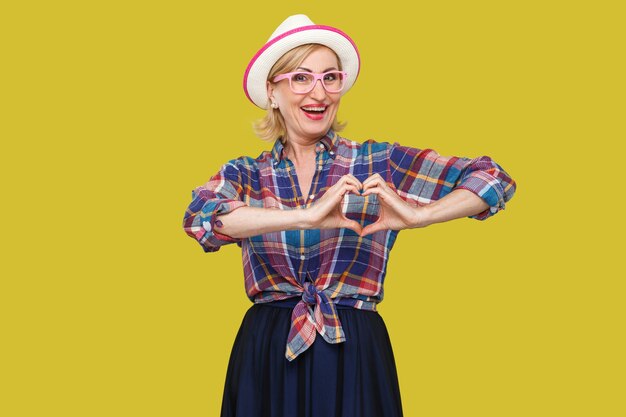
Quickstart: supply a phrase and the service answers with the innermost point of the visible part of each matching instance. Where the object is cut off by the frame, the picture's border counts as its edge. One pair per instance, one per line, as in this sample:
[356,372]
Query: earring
[274,105]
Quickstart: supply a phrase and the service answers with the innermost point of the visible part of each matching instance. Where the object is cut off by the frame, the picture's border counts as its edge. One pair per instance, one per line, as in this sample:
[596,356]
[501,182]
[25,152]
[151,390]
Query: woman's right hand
[326,212]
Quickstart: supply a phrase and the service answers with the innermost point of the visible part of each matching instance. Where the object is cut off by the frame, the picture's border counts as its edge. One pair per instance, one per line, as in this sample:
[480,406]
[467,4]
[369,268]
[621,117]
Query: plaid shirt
[335,266]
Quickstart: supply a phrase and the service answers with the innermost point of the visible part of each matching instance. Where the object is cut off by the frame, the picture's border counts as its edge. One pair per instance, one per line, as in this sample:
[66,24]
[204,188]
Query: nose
[318,91]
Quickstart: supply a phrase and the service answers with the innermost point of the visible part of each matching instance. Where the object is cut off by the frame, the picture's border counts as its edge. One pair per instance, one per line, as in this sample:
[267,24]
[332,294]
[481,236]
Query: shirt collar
[328,142]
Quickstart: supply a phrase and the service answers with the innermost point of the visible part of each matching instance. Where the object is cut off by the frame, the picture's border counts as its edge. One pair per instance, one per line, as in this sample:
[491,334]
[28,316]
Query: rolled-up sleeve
[424,176]
[222,194]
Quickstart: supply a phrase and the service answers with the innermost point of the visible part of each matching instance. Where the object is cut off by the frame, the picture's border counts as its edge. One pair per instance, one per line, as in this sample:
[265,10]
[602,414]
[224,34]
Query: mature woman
[316,218]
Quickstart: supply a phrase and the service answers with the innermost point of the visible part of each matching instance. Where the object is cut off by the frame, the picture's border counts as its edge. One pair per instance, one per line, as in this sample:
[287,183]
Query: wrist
[302,218]
[422,216]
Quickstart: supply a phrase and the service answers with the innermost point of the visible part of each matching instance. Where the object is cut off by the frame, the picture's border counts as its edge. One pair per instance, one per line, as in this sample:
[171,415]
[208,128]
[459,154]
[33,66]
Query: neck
[299,150]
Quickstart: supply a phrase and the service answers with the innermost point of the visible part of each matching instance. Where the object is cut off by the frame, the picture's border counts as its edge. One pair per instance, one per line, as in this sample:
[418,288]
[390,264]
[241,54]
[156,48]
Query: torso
[305,176]
[305,173]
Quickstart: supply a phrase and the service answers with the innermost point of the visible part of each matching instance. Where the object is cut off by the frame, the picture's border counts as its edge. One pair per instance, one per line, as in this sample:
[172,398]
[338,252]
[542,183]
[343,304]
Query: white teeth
[314,108]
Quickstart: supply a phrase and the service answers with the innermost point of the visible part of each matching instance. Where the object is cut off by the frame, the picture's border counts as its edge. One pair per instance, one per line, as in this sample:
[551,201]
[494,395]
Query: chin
[317,132]
[317,129]
[313,129]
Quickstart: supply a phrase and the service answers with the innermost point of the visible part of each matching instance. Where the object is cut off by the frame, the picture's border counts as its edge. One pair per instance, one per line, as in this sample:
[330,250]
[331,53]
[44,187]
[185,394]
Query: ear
[270,90]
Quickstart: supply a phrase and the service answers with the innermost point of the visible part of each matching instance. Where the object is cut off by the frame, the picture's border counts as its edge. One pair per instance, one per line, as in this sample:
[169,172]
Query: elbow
[493,177]
[200,221]
[494,190]
[198,232]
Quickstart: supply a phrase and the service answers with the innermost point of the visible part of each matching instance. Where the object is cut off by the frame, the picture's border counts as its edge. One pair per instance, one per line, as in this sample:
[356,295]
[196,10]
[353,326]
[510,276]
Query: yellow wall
[112,112]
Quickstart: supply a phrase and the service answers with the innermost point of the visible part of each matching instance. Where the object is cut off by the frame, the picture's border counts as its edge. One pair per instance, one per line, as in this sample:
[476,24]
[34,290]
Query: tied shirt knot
[310,294]
[314,313]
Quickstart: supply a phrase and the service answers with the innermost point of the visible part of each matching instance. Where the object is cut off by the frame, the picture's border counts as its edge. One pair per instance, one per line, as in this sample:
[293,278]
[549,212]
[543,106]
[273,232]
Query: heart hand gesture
[326,213]
[394,213]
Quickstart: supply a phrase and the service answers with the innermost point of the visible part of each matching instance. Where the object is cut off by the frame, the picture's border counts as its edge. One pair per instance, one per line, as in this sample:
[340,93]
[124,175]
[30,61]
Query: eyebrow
[308,70]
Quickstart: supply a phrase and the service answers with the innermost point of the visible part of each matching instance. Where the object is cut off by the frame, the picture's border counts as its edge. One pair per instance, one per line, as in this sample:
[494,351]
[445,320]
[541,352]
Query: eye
[332,76]
[300,78]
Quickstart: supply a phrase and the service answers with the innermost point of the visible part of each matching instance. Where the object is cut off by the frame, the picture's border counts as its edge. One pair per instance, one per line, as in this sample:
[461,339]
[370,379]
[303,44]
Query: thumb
[372,228]
[354,226]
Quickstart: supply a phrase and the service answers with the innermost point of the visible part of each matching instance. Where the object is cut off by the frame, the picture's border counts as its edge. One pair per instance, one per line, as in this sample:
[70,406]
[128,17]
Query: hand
[394,213]
[326,213]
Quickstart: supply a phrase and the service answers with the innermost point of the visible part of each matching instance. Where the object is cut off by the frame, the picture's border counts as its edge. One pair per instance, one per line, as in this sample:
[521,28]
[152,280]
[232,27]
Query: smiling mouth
[314,110]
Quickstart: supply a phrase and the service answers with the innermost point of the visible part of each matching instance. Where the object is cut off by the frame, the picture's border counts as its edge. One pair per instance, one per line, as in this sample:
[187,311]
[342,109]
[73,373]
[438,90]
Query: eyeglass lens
[303,82]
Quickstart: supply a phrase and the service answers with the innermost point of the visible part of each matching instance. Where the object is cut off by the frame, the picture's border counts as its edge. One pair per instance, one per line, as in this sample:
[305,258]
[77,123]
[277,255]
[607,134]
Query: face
[300,123]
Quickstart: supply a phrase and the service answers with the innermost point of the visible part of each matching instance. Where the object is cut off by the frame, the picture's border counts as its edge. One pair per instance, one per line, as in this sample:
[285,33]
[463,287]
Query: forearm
[458,203]
[252,221]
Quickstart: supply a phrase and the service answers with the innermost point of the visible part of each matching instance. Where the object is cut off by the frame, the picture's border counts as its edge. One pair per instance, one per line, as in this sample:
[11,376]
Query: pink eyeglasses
[303,82]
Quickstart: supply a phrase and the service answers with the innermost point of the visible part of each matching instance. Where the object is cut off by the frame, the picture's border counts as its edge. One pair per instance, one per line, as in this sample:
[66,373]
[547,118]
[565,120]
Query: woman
[316,218]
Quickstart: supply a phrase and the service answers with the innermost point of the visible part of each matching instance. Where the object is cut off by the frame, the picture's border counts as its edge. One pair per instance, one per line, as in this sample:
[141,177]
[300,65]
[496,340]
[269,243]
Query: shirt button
[302,257]
[312,196]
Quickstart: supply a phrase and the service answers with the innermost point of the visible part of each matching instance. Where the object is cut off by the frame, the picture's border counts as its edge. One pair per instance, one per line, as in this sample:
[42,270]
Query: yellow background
[112,112]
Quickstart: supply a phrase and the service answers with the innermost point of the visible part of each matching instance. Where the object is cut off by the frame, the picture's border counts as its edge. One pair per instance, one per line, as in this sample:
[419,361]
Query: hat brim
[255,77]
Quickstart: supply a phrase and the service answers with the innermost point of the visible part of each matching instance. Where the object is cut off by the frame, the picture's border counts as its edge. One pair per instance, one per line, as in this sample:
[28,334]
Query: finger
[350,187]
[355,180]
[376,182]
[372,177]
[338,195]
[338,191]
[349,223]
[349,177]
[373,228]
[386,194]
[354,226]
[348,180]
[381,193]
[343,203]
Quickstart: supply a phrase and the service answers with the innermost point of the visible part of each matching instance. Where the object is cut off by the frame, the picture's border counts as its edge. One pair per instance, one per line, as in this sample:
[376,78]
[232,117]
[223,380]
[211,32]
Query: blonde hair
[272,126]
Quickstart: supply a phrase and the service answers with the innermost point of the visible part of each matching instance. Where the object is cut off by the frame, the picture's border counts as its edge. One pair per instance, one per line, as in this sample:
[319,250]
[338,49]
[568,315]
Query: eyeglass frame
[316,76]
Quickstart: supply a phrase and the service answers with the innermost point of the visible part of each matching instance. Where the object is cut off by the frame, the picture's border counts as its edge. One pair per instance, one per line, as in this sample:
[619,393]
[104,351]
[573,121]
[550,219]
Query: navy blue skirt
[355,378]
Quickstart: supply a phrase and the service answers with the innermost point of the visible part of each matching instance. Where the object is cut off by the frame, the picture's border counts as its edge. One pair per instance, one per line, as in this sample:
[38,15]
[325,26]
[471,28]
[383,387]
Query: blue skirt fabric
[355,378]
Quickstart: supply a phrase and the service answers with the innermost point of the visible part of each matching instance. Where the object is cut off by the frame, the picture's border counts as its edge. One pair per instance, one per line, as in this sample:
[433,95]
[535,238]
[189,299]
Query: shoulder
[249,167]
[245,162]
[242,163]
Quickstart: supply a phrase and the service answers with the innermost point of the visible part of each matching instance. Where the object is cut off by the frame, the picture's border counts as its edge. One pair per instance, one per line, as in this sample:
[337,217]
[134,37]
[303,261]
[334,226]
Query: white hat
[295,31]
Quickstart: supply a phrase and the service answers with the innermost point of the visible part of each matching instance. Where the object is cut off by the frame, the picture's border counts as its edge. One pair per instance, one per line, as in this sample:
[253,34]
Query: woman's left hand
[394,213]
